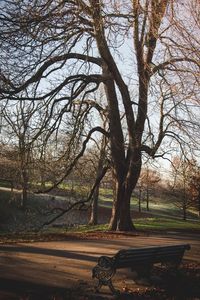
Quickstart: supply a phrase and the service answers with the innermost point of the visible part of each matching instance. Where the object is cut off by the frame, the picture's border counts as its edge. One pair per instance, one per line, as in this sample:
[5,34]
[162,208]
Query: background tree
[182,174]
[61,53]
[9,168]
[18,133]
[146,184]
[194,186]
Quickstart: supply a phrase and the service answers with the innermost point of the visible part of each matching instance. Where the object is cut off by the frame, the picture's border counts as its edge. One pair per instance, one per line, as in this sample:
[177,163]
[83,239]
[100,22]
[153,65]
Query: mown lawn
[151,225]
[148,224]
[166,224]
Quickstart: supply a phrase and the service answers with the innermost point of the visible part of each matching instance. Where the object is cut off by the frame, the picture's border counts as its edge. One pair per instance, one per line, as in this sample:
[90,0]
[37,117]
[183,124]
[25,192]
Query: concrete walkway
[64,263]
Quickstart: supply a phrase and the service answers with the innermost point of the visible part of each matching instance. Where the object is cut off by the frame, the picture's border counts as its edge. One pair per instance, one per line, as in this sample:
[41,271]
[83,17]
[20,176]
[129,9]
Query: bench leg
[143,271]
[173,264]
[106,283]
[111,287]
[98,287]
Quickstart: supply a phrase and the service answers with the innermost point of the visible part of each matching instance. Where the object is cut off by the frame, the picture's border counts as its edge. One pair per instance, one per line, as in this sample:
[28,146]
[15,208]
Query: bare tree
[61,52]
[146,183]
[194,186]
[182,171]
[17,132]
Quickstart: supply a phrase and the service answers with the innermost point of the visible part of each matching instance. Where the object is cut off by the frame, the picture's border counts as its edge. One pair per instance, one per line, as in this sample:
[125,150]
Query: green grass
[89,228]
[148,224]
[166,224]
[143,224]
[158,206]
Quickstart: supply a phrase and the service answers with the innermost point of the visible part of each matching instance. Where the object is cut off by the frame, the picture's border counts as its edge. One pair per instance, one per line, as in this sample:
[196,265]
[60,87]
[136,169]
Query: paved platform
[64,263]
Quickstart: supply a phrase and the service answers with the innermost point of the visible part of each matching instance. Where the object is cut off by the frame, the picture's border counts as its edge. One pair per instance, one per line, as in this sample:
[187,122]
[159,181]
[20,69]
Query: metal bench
[140,260]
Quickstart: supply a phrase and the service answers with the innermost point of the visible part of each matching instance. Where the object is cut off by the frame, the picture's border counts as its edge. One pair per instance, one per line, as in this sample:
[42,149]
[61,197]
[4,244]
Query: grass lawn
[151,225]
[158,219]
[148,224]
[166,224]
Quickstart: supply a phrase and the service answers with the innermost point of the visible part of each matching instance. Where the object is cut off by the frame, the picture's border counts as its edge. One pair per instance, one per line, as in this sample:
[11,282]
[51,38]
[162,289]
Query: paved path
[61,264]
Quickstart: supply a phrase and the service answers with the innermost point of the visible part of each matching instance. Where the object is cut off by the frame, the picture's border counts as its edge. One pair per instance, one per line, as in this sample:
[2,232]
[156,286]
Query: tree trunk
[184,207]
[121,216]
[24,189]
[42,179]
[139,199]
[199,207]
[147,199]
[184,214]
[94,209]
[124,186]
[198,199]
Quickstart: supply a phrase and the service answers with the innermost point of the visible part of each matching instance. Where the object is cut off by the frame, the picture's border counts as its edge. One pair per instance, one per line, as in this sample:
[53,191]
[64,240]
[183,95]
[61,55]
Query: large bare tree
[143,52]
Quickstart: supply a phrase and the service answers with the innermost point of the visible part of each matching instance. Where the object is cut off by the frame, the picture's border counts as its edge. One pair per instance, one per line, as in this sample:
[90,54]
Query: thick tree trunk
[121,216]
[125,221]
[121,211]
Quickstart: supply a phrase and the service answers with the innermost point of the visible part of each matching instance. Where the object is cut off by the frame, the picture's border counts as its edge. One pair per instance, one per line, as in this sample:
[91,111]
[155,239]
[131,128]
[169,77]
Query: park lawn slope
[143,225]
[166,224]
[148,224]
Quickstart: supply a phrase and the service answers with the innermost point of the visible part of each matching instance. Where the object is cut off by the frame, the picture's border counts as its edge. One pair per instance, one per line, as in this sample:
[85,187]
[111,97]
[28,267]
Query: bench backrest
[147,256]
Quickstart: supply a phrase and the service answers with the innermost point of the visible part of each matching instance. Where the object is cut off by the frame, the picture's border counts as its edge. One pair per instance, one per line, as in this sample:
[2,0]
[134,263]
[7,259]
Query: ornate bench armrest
[104,271]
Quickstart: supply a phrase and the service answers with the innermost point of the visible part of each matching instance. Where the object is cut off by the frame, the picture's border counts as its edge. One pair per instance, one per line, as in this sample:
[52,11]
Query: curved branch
[38,75]
[80,154]
[81,202]
[172,61]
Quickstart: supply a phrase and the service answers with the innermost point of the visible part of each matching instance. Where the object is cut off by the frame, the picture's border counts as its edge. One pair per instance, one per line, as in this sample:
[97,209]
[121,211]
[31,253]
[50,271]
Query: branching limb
[81,202]
[72,165]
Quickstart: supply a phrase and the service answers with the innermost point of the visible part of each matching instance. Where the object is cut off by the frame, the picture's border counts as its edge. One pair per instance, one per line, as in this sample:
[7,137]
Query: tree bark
[94,210]
[24,189]
[124,186]
[139,199]
[147,198]
[121,213]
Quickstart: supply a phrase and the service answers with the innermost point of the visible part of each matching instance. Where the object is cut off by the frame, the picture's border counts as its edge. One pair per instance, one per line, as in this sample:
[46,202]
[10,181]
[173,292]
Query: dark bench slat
[131,263]
[154,256]
[153,249]
[135,254]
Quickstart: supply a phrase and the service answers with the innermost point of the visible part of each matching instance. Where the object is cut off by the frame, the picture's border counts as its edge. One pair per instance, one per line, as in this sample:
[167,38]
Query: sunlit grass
[89,228]
[143,224]
[160,224]
[165,224]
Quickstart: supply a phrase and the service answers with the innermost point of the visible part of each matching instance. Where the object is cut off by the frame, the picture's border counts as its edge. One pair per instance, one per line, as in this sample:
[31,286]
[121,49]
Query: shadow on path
[51,252]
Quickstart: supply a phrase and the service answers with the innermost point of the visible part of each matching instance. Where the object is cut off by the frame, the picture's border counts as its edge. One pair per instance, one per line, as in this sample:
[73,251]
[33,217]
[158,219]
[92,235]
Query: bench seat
[140,260]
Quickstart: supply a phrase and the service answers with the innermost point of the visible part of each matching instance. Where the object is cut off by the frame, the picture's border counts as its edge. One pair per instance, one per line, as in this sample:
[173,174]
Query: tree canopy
[145,54]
